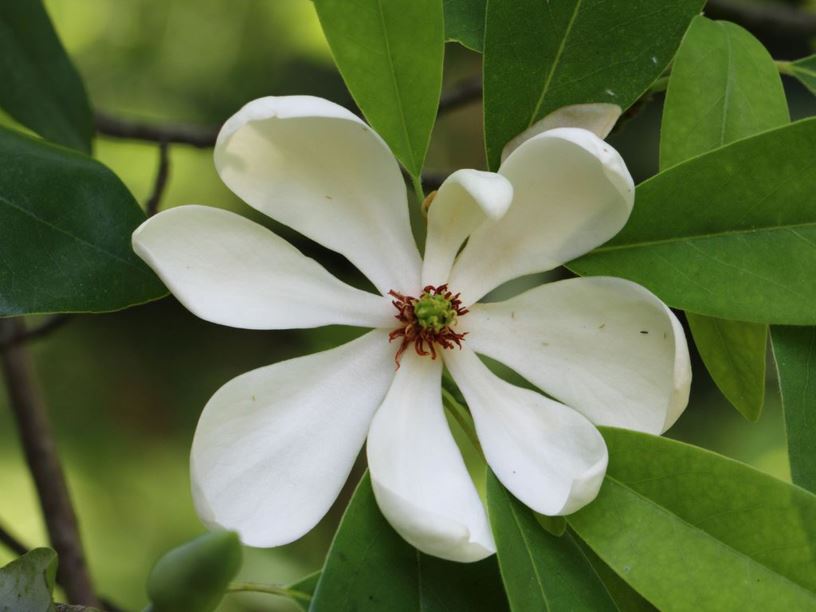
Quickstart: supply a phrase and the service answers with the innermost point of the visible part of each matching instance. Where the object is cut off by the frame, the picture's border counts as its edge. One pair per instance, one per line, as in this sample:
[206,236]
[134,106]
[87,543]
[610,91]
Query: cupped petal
[571,193]
[546,454]
[228,270]
[319,169]
[463,202]
[419,477]
[598,117]
[274,446]
[605,346]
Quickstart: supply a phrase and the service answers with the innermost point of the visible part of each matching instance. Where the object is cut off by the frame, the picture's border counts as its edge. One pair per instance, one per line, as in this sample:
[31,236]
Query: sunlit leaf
[729,234]
[390,55]
[692,530]
[41,88]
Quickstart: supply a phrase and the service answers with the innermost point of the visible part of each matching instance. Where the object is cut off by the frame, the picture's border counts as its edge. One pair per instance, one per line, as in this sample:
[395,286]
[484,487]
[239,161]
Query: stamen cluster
[427,321]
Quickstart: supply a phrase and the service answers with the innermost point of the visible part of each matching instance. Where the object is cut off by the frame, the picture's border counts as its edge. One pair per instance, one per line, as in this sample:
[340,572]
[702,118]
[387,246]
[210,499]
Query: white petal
[546,454]
[571,193]
[463,202]
[274,446]
[419,478]
[317,168]
[604,346]
[228,270]
[599,118]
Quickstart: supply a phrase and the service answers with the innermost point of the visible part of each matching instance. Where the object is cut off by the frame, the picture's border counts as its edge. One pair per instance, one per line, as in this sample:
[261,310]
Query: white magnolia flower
[275,445]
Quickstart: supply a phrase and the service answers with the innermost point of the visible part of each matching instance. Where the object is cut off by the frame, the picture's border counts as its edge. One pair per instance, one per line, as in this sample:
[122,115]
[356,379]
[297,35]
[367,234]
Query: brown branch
[199,136]
[160,184]
[12,543]
[774,19]
[465,92]
[51,324]
[43,462]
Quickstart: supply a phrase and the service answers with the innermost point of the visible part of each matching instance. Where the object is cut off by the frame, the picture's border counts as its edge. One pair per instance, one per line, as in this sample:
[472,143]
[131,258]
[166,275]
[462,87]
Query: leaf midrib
[730,549]
[527,549]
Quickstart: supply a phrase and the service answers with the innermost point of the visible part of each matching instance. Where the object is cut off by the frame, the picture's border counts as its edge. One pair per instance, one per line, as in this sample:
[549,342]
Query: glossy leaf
[729,234]
[805,70]
[65,226]
[724,86]
[41,88]
[26,584]
[692,530]
[194,576]
[464,22]
[795,353]
[540,56]
[371,568]
[540,571]
[390,55]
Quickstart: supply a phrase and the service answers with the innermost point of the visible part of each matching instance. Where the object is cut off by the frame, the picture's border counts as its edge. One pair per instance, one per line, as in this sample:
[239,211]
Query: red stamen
[424,339]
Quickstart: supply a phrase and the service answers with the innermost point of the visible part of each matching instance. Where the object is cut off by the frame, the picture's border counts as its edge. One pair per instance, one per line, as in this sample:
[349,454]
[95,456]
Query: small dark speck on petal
[545,344]
[253,398]
[643,331]
[328,197]
[602,325]
[512,314]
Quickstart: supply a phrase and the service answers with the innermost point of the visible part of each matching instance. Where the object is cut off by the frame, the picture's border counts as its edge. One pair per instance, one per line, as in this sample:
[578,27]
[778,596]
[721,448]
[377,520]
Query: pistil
[427,321]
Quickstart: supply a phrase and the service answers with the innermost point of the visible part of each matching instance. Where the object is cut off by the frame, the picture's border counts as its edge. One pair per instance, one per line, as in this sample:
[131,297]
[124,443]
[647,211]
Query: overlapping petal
[546,454]
[274,446]
[229,270]
[319,169]
[604,346]
[571,193]
[464,201]
[419,478]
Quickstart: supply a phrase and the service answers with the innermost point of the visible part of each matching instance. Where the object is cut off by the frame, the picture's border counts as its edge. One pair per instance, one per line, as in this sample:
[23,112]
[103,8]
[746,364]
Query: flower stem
[270,589]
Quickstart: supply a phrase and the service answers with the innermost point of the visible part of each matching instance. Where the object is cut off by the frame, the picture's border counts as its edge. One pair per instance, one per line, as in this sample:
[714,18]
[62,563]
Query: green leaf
[795,353]
[540,571]
[306,585]
[371,568]
[195,576]
[724,86]
[540,56]
[65,226]
[390,54]
[41,88]
[625,597]
[465,22]
[692,530]
[734,354]
[27,583]
[729,234]
[805,70]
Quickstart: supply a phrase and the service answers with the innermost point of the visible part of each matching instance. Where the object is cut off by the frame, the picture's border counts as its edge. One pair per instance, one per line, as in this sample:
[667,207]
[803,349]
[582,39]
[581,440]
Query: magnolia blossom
[274,446]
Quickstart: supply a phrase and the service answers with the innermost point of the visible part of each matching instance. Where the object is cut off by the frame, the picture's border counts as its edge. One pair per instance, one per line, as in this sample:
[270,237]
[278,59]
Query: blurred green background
[125,390]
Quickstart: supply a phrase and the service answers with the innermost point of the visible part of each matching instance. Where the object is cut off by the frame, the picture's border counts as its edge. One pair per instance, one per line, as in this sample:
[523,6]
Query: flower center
[427,322]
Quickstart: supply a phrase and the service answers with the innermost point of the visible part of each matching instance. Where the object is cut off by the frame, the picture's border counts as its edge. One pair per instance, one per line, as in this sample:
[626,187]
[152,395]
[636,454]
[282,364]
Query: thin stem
[12,543]
[270,589]
[43,462]
[51,324]
[160,184]
[784,67]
